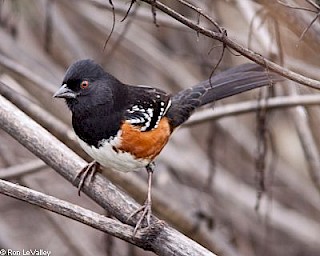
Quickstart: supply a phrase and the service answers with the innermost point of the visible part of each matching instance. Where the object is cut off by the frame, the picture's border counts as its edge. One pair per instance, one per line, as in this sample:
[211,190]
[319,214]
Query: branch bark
[20,170]
[295,21]
[310,149]
[251,106]
[163,240]
[71,211]
[132,185]
[222,37]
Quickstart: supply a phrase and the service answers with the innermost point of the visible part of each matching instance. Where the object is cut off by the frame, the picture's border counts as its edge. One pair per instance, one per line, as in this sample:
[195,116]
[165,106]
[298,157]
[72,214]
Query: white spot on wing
[148,114]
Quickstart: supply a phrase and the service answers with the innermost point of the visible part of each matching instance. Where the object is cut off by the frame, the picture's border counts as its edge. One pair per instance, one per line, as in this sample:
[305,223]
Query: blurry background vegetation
[210,171]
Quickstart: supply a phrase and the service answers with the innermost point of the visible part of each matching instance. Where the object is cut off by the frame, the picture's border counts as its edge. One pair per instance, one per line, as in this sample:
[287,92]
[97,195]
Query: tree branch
[251,106]
[71,211]
[19,170]
[163,241]
[134,186]
[237,47]
[307,140]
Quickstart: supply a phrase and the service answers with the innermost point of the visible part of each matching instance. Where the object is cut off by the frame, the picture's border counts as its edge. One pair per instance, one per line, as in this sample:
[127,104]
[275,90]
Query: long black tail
[230,82]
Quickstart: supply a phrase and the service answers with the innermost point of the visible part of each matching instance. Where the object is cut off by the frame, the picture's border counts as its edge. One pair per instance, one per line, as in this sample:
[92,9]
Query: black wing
[227,83]
[147,106]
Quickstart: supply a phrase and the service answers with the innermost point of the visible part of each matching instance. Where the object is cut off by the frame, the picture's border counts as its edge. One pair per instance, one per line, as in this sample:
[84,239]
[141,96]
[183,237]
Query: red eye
[84,84]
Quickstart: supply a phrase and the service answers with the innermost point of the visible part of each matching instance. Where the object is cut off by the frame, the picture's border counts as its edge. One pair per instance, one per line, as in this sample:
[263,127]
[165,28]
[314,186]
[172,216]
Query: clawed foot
[86,172]
[145,213]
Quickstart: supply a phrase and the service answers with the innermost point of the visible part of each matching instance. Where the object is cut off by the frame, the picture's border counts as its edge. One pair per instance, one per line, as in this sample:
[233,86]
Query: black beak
[65,92]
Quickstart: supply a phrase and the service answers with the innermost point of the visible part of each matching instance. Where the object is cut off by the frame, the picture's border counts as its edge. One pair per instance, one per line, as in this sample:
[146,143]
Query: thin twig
[293,21]
[201,13]
[295,7]
[307,28]
[262,115]
[307,140]
[252,106]
[17,171]
[314,4]
[143,14]
[117,42]
[237,47]
[128,11]
[113,25]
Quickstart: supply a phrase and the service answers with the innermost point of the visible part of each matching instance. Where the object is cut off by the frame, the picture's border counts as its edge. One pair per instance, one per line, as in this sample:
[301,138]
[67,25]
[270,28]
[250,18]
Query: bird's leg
[88,171]
[146,208]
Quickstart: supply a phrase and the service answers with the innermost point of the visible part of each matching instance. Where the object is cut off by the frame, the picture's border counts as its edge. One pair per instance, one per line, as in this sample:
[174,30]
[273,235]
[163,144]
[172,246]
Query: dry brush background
[208,178]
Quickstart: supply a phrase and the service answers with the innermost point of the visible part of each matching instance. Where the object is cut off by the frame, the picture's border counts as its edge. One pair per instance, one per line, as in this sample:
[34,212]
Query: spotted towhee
[124,127]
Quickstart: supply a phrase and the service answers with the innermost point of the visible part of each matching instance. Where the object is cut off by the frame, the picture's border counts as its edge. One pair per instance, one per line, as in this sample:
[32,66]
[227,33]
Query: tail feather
[230,82]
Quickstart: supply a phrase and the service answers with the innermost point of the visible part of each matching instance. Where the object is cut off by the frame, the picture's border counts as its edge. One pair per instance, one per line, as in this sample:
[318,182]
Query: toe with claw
[86,173]
[145,213]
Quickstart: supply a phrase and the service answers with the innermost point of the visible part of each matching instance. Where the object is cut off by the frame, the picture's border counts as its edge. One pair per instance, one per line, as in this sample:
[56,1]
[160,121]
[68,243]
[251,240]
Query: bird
[124,127]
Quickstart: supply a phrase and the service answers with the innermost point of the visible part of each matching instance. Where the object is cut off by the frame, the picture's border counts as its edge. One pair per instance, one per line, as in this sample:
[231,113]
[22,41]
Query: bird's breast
[146,144]
[130,149]
[109,156]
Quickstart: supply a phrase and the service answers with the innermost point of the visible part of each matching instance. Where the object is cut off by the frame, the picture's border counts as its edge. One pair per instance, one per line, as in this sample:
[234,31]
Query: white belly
[108,157]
